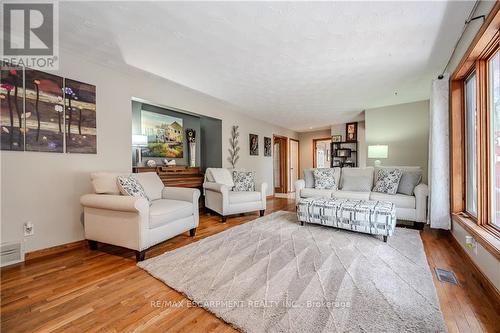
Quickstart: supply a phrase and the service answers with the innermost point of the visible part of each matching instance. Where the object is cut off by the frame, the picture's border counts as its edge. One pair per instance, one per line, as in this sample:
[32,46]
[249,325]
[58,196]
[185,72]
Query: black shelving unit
[340,156]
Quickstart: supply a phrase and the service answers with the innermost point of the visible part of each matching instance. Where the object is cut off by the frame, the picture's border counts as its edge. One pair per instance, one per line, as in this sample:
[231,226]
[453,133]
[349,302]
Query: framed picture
[165,135]
[80,116]
[267,146]
[336,138]
[11,108]
[254,144]
[351,130]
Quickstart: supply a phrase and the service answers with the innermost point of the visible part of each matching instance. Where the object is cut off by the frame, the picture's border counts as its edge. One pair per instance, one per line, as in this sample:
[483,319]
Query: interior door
[294,163]
[280,164]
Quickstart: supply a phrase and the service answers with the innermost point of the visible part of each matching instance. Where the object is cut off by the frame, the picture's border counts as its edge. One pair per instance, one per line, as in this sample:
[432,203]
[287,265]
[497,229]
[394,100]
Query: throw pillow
[387,181]
[356,183]
[324,178]
[243,181]
[130,186]
[309,178]
[408,181]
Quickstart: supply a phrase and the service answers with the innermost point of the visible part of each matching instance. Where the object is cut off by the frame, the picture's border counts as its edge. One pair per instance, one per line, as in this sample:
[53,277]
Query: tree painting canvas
[11,108]
[165,135]
[44,112]
[81,130]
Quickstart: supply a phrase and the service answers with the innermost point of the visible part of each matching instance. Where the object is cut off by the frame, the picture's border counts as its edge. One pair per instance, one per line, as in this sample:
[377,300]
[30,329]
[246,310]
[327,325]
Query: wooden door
[294,164]
[280,163]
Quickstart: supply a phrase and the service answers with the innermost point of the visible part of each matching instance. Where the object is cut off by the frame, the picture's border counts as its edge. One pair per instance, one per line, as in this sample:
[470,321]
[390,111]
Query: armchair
[221,199]
[133,222]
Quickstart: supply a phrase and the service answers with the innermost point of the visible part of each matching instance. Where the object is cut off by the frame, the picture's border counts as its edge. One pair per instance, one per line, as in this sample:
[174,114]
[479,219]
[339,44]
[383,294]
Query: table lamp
[378,151]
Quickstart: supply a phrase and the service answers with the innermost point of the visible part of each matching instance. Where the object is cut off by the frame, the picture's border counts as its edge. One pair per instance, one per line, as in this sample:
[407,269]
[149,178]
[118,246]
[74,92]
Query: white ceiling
[295,64]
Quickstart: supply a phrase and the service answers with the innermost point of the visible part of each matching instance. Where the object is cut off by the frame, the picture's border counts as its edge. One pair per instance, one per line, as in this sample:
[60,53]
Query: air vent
[10,253]
[446,276]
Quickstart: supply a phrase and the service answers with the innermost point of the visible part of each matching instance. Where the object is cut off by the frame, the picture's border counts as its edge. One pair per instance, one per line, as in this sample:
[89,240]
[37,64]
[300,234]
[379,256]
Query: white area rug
[272,275]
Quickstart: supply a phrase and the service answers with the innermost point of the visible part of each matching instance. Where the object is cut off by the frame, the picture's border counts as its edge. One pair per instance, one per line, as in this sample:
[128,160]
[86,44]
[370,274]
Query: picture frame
[351,132]
[336,138]
[267,146]
[254,144]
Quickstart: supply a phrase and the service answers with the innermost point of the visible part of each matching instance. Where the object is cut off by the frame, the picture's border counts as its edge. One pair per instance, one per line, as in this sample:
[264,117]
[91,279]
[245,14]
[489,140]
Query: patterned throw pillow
[324,178]
[130,186]
[387,181]
[243,181]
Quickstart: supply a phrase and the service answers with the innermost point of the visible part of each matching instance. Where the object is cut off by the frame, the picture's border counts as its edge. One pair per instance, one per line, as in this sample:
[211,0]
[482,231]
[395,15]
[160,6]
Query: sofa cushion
[309,178]
[163,211]
[387,181]
[152,184]
[324,178]
[220,176]
[409,179]
[236,197]
[130,186]
[106,182]
[357,183]
[400,200]
[244,181]
[356,172]
[355,195]
[314,192]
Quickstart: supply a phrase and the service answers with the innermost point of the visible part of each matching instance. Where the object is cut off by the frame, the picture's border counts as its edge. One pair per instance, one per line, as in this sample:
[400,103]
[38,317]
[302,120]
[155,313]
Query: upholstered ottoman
[367,216]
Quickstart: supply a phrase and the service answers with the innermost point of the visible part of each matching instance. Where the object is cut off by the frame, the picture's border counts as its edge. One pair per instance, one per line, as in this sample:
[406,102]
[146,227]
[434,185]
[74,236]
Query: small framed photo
[267,146]
[336,138]
[351,132]
[254,144]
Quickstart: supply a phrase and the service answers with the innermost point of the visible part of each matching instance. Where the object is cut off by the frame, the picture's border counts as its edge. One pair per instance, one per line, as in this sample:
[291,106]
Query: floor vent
[446,276]
[10,253]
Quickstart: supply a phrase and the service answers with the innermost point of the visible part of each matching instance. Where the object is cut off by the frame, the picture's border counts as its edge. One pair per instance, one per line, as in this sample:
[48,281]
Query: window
[494,93]
[470,147]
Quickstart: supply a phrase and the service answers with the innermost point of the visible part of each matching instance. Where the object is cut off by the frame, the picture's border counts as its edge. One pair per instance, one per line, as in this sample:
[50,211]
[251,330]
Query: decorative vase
[192,154]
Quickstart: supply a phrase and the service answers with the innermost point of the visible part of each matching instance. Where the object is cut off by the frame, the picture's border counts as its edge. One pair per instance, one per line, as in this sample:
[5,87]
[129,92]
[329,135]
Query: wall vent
[10,253]
[446,276]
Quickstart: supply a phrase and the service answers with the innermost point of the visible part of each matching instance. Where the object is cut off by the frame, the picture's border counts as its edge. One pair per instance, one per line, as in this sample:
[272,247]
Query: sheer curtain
[439,155]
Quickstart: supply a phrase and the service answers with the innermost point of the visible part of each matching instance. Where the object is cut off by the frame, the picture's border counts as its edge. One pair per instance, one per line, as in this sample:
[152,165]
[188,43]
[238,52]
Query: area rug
[273,275]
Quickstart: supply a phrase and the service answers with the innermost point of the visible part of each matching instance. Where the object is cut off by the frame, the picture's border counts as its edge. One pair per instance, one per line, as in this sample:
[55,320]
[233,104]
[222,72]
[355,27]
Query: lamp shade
[139,140]
[378,151]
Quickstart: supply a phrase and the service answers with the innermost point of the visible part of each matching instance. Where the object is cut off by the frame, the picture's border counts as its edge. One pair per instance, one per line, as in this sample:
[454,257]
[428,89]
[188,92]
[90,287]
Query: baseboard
[270,196]
[54,250]
[490,289]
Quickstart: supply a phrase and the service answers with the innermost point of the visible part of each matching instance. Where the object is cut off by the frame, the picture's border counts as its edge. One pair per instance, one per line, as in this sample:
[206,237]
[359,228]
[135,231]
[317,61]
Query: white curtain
[439,155]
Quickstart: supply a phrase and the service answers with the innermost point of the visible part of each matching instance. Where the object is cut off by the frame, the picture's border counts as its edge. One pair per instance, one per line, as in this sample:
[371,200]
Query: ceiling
[300,65]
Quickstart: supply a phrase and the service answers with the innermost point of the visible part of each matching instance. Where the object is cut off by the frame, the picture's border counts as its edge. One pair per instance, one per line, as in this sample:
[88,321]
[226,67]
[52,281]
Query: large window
[494,93]
[470,148]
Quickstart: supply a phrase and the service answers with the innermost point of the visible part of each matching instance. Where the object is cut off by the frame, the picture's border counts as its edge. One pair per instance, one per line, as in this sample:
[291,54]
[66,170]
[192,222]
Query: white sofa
[133,223]
[408,207]
[221,199]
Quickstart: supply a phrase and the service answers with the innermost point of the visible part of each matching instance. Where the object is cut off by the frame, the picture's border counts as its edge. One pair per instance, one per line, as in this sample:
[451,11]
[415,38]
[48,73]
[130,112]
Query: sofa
[223,200]
[408,207]
[134,222]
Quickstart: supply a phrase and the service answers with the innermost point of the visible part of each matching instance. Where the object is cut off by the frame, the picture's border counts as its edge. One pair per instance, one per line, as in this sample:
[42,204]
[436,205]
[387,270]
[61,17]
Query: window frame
[476,60]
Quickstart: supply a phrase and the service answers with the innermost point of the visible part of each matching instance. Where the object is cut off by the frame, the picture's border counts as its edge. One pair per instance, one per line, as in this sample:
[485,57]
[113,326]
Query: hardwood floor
[88,291]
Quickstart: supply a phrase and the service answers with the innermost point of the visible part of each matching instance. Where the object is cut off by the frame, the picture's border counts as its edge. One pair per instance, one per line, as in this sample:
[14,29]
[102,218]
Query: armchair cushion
[163,211]
[220,176]
[152,184]
[236,197]
[106,182]
[130,186]
[244,181]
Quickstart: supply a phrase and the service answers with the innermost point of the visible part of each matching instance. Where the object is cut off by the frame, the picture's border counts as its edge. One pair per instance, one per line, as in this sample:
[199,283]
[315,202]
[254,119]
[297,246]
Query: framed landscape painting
[11,108]
[165,135]
[44,112]
[81,130]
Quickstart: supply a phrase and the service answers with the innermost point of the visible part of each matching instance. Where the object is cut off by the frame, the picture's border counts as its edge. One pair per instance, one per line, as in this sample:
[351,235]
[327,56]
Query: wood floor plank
[104,291]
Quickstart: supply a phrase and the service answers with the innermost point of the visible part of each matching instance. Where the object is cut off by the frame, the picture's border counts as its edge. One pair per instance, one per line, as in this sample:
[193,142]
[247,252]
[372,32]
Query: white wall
[306,148]
[486,261]
[45,188]
[405,129]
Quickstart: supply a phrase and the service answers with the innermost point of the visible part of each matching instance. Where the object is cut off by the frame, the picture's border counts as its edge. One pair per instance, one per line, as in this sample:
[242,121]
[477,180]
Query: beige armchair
[221,199]
[132,222]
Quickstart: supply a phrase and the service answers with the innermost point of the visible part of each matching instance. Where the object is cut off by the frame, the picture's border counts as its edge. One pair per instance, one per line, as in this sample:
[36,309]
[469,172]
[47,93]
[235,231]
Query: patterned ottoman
[368,216]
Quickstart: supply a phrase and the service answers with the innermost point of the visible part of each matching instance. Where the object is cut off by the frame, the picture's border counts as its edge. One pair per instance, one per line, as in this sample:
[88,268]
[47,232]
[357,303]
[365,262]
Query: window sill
[487,238]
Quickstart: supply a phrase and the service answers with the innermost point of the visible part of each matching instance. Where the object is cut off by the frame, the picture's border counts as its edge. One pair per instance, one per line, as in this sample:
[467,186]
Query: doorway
[294,164]
[321,152]
[280,163]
